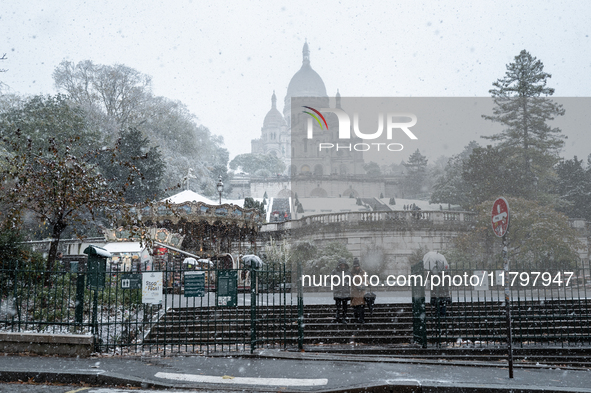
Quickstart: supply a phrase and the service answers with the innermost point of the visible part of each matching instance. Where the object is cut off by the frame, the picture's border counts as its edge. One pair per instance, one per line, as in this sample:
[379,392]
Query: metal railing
[243,317]
[548,313]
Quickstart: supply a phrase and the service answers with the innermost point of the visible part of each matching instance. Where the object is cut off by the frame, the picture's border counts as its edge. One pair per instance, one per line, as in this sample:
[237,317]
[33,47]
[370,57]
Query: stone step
[389,324]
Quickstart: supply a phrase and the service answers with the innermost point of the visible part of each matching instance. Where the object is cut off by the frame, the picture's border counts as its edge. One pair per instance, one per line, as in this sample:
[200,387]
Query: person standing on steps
[358,291]
[342,292]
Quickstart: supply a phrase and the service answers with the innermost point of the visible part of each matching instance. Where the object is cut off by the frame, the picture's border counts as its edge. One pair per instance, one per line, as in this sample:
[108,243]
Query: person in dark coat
[342,292]
[440,296]
[358,293]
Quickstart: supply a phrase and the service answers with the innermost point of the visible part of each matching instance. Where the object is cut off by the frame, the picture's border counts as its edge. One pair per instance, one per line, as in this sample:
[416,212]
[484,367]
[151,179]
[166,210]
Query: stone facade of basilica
[285,134]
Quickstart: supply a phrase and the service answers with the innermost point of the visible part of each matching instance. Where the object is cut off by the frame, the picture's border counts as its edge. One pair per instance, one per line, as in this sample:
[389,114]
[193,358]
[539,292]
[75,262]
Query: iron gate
[203,309]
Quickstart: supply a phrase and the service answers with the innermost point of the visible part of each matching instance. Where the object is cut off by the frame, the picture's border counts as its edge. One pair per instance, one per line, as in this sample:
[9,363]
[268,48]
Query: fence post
[15,300]
[419,320]
[95,320]
[508,305]
[79,307]
[253,308]
[300,308]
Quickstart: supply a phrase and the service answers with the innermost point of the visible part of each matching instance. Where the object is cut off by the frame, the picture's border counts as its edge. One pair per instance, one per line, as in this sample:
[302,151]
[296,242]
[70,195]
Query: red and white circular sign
[500,217]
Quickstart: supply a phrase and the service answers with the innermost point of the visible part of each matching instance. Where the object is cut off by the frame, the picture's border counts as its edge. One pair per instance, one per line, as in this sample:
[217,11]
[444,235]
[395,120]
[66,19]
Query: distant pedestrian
[440,296]
[342,292]
[358,292]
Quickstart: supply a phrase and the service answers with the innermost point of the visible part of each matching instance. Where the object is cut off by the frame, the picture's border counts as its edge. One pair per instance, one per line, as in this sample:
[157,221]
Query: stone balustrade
[424,217]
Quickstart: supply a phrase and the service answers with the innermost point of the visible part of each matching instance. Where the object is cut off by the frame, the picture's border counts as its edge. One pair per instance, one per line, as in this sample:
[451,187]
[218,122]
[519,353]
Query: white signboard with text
[481,280]
[152,288]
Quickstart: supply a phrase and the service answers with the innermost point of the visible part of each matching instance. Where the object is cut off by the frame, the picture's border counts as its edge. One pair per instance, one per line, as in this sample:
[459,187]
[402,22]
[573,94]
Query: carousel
[215,236]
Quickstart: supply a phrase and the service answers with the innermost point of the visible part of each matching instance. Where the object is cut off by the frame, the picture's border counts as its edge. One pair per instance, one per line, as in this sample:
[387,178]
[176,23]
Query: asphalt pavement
[273,370]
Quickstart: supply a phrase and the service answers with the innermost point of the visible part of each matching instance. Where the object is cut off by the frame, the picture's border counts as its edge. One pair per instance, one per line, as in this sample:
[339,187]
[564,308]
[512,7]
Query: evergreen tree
[416,173]
[250,203]
[135,166]
[372,169]
[524,109]
[451,187]
[488,173]
[573,185]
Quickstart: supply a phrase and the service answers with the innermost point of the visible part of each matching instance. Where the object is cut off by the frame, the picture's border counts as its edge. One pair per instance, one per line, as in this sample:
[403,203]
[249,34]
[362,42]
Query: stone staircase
[389,324]
[560,322]
[281,206]
[376,205]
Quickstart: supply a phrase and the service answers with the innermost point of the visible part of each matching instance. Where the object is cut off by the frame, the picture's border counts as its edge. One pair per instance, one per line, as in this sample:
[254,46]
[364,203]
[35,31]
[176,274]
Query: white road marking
[115,390]
[244,380]
[77,390]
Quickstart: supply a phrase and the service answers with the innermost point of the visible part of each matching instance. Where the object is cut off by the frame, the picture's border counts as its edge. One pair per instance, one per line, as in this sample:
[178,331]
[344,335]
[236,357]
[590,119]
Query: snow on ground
[191,196]
[423,205]
[313,206]
[240,202]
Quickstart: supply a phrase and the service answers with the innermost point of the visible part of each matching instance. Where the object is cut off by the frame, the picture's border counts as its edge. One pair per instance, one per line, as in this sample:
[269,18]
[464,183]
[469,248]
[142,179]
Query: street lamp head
[220,185]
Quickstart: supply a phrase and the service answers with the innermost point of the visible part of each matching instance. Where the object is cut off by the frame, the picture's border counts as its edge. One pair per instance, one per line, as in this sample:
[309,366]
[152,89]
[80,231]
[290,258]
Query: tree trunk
[58,228]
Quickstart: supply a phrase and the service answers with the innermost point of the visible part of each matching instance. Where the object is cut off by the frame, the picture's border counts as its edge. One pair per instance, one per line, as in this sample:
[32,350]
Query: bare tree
[118,91]
[60,188]
[117,98]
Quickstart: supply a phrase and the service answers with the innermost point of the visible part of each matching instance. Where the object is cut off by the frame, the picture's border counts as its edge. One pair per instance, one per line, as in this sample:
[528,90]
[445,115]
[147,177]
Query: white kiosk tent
[128,257]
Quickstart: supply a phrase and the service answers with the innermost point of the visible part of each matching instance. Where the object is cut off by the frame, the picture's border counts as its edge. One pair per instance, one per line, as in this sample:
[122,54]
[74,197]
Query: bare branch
[3,58]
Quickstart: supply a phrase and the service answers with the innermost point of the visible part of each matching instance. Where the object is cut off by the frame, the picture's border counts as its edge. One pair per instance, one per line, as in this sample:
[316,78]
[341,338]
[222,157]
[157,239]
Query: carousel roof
[188,196]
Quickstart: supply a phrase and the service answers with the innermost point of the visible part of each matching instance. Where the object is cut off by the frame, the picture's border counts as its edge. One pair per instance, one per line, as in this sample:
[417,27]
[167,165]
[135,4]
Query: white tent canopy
[123,247]
[188,196]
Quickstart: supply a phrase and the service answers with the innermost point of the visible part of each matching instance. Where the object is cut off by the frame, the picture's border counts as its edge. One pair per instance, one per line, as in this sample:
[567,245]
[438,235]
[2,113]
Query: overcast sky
[224,59]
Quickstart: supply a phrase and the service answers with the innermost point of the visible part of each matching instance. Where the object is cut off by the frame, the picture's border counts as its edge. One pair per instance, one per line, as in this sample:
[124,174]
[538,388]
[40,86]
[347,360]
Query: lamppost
[220,187]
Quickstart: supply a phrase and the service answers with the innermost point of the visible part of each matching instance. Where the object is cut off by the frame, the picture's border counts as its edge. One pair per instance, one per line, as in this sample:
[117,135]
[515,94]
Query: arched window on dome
[305,169]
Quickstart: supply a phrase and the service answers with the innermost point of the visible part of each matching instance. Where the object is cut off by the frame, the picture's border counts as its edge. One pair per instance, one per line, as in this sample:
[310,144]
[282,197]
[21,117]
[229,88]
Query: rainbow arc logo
[316,117]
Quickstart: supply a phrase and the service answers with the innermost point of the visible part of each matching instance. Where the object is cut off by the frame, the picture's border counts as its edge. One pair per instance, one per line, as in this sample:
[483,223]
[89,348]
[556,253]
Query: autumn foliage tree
[532,236]
[60,188]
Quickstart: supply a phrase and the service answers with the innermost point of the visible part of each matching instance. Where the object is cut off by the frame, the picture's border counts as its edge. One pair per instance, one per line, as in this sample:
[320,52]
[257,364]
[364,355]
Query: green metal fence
[202,309]
[554,311]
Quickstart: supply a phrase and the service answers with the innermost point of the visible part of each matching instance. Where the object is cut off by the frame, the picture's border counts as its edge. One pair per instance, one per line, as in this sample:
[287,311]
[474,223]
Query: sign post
[500,226]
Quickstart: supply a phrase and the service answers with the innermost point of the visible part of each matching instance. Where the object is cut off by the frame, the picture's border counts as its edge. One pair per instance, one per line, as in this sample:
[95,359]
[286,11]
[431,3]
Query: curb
[381,359]
[98,378]
[416,387]
[94,378]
